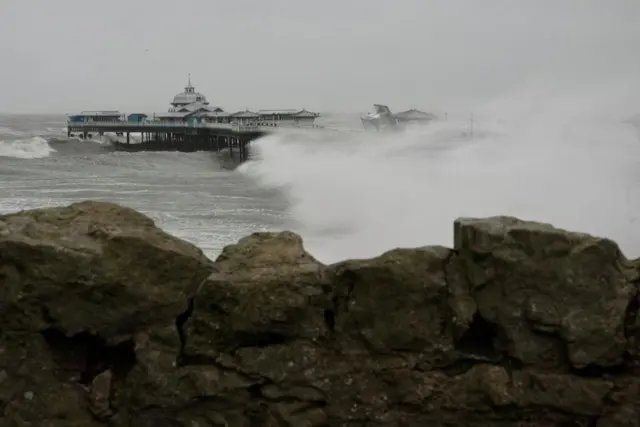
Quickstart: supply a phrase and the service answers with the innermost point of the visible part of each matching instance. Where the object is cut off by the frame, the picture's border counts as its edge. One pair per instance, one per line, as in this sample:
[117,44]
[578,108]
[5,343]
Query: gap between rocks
[181,320]
[84,356]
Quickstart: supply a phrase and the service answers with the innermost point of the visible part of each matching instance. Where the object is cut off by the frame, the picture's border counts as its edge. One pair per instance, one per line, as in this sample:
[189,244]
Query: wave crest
[30,148]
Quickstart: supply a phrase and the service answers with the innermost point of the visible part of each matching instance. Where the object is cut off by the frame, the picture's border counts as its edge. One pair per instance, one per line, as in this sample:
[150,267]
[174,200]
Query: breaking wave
[569,160]
[38,147]
[31,148]
[78,147]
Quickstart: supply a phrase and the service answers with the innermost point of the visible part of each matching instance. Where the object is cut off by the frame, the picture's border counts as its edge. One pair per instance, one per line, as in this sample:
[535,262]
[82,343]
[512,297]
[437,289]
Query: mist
[542,153]
[444,55]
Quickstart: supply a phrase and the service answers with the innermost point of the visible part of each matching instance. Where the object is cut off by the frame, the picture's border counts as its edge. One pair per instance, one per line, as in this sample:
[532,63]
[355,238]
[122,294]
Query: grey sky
[69,55]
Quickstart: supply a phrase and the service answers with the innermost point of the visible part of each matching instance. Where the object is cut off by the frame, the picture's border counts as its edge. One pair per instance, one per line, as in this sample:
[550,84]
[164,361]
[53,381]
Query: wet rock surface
[108,321]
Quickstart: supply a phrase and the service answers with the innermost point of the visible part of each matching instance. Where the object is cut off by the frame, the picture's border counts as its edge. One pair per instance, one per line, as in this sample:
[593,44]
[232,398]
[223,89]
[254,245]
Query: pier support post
[128,139]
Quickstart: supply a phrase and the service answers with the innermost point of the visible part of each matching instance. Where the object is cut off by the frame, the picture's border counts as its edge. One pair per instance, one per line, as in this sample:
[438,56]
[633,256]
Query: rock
[266,290]
[118,270]
[550,295]
[108,321]
[78,285]
[267,295]
[99,399]
[402,283]
[633,319]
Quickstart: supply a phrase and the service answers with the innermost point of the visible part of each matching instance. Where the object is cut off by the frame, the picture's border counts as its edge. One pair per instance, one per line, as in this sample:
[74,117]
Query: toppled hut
[414,116]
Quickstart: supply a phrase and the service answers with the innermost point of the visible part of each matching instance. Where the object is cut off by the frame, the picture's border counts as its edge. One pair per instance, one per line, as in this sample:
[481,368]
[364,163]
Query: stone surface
[550,295]
[78,286]
[247,302]
[108,321]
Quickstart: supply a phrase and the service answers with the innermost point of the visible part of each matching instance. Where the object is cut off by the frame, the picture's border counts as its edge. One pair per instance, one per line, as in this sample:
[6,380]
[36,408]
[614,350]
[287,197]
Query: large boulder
[108,321]
[551,296]
[80,287]
[258,321]
[93,267]
[266,289]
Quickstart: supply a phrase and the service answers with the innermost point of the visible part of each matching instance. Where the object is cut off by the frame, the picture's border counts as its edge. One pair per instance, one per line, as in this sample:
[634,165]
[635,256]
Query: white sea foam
[31,148]
[540,155]
[110,137]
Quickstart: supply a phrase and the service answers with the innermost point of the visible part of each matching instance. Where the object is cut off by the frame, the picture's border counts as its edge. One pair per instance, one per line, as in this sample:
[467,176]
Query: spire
[189,80]
[189,87]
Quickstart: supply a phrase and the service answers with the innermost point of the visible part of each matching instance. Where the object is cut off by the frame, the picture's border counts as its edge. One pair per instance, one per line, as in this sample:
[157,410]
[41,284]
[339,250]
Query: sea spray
[541,155]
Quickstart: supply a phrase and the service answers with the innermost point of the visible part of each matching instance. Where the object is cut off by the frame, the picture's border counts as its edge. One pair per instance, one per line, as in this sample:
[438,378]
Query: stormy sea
[349,193]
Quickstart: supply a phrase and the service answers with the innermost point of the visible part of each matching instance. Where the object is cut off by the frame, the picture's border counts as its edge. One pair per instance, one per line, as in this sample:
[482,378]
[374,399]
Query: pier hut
[414,116]
[287,117]
[92,118]
[215,117]
[172,117]
[192,107]
[245,117]
[96,117]
[137,117]
[188,97]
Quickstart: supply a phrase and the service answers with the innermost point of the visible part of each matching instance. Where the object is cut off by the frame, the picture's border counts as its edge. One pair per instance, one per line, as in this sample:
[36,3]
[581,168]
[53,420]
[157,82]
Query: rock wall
[105,320]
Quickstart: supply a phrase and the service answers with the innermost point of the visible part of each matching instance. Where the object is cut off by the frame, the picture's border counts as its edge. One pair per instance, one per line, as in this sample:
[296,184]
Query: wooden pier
[184,137]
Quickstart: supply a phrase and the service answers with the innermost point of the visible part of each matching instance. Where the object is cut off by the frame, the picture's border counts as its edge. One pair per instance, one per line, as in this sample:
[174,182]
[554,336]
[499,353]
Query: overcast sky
[70,55]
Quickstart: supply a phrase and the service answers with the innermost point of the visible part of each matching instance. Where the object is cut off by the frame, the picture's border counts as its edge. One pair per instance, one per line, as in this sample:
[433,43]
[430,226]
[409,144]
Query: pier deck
[121,126]
[177,136]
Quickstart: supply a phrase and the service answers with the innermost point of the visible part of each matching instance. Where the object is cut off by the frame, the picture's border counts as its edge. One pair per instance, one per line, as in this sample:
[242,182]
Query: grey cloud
[68,55]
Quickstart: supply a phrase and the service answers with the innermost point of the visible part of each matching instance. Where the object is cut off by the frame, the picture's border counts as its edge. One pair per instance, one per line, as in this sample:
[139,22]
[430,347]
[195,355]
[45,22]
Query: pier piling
[177,137]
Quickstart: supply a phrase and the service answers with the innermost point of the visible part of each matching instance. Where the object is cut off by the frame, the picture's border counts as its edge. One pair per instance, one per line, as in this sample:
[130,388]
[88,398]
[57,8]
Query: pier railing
[152,126]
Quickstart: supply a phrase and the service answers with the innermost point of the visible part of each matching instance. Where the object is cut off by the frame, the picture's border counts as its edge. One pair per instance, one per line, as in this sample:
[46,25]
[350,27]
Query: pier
[176,136]
[190,124]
